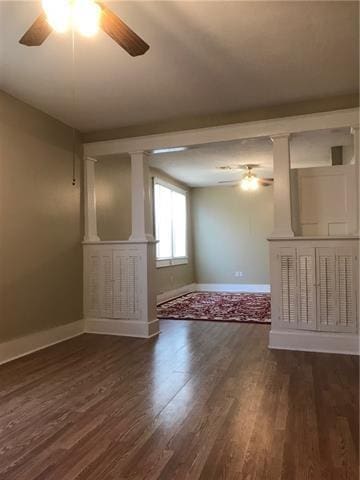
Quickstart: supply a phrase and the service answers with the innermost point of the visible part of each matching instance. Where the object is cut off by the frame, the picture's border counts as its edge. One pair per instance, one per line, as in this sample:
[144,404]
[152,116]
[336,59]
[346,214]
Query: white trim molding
[21,346]
[233,287]
[124,328]
[171,262]
[177,292]
[322,342]
[263,128]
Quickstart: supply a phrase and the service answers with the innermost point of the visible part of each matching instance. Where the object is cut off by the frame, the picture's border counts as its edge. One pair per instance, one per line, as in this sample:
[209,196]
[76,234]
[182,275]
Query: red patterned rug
[222,307]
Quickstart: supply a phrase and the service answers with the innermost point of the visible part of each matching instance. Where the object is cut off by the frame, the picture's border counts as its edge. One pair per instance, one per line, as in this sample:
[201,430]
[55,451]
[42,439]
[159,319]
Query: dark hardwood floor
[204,401]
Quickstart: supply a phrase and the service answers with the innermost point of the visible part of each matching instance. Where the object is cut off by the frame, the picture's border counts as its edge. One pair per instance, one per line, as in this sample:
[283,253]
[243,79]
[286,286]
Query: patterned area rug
[222,307]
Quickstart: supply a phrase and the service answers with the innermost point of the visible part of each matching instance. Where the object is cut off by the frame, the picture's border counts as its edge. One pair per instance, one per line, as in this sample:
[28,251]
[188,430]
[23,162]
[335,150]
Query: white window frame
[171,261]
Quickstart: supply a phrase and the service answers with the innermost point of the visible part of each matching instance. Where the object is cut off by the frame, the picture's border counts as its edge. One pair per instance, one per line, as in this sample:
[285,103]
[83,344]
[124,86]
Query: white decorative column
[356,136]
[282,192]
[142,235]
[140,198]
[90,201]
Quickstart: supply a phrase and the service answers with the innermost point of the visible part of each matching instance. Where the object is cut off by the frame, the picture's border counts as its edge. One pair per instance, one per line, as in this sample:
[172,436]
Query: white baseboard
[324,342]
[19,347]
[177,292]
[124,328]
[234,287]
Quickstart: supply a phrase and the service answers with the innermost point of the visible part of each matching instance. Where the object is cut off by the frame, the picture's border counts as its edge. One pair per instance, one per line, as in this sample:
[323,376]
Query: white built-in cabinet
[314,285]
[113,286]
[119,288]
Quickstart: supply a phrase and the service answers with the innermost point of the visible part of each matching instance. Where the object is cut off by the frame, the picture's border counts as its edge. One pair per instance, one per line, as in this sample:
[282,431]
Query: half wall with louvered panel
[326,289]
[314,284]
[119,288]
[287,279]
[314,294]
[306,290]
[346,288]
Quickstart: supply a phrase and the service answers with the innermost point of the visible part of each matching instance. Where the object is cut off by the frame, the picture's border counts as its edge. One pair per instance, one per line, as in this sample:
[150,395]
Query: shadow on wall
[41,258]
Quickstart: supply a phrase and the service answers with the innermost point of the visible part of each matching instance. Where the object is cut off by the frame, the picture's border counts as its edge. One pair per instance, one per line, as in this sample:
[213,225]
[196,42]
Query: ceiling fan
[86,16]
[249,181]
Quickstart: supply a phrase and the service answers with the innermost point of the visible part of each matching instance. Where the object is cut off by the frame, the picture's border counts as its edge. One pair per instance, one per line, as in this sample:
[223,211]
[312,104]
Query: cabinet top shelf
[118,242]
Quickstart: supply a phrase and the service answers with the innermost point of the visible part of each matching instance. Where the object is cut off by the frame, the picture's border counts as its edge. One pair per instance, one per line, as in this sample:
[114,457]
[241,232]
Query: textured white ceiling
[205,57]
[198,166]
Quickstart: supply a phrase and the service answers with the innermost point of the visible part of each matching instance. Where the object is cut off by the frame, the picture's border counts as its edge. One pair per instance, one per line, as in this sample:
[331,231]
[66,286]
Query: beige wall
[40,251]
[113,199]
[230,228]
[274,111]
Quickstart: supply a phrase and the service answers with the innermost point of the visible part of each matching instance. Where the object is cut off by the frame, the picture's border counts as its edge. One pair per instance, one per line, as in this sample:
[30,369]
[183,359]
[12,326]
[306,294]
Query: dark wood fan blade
[121,33]
[266,182]
[37,33]
[229,181]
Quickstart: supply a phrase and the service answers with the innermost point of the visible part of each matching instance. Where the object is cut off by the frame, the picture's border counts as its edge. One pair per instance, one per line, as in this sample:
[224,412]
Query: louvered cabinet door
[106,284]
[126,282]
[346,282]
[92,283]
[306,288]
[286,258]
[327,312]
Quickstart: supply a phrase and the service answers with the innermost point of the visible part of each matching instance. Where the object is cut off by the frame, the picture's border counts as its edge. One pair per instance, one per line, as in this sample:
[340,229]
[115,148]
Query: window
[170,224]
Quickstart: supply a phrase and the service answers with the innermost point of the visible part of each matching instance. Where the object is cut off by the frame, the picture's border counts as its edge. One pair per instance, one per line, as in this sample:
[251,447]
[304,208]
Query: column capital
[139,152]
[90,159]
[279,135]
[354,129]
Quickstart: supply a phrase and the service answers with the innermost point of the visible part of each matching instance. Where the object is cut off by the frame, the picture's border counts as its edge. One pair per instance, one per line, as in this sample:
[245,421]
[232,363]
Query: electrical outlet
[239,274]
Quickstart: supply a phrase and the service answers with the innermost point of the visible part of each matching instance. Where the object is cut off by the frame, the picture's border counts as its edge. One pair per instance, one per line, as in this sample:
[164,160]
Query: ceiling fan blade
[121,33]
[266,182]
[37,33]
[229,181]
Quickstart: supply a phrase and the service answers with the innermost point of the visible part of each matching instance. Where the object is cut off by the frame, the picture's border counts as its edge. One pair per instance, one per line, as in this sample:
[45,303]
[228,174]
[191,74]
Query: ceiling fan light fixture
[84,15]
[249,182]
[58,13]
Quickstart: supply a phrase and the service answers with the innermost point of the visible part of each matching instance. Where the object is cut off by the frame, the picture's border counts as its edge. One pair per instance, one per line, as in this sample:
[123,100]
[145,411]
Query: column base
[142,238]
[93,238]
[282,234]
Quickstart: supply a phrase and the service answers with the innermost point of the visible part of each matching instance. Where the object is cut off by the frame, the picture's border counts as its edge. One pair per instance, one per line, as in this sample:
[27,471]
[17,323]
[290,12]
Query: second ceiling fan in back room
[86,16]
[249,181]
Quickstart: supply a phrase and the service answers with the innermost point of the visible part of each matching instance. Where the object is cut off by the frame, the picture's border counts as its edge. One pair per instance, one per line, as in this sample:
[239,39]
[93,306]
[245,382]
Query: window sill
[171,262]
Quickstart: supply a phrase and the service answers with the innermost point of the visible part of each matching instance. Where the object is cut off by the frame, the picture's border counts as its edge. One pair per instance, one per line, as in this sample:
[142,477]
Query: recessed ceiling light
[169,150]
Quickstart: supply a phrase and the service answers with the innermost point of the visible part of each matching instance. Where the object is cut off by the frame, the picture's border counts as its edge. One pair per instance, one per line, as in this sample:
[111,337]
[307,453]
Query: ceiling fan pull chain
[74,108]
[74,159]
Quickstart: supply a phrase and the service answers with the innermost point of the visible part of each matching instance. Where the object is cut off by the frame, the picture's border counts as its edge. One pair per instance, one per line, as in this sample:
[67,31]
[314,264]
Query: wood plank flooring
[203,401]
